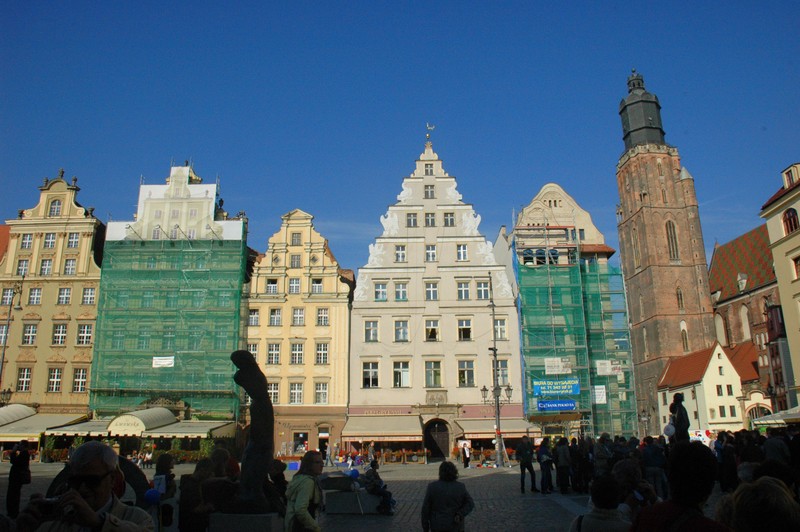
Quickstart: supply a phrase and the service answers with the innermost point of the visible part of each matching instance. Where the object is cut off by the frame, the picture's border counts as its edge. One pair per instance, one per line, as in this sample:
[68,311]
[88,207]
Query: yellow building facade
[298,305]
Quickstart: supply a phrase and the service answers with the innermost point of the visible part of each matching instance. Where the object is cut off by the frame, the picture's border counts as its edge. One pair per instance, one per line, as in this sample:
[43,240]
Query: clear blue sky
[322,105]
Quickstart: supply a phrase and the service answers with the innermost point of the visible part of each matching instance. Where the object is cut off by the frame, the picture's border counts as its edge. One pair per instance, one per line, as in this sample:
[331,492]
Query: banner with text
[569,386]
[550,406]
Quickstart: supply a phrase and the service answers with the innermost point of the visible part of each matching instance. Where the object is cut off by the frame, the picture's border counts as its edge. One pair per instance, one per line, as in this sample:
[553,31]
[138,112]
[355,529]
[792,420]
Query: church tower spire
[641,115]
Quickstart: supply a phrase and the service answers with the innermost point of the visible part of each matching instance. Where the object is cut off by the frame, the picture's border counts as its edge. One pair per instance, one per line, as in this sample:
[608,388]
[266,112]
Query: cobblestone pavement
[499,505]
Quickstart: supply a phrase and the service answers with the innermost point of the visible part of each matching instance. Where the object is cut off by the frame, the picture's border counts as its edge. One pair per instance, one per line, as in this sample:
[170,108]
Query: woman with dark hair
[545,459]
[164,465]
[680,418]
[304,496]
[446,502]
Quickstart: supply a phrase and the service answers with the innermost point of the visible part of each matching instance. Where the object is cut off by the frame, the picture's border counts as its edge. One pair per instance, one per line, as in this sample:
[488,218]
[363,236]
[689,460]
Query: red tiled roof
[781,191]
[601,249]
[744,358]
[685,370]
[5,231]
[748,254]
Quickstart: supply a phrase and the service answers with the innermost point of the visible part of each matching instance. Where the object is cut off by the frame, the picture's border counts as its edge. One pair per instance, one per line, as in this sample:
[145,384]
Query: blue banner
[549,406]
[569,386]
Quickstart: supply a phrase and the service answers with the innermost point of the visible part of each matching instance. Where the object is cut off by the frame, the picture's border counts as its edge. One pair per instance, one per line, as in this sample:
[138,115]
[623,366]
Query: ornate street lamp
[5,396]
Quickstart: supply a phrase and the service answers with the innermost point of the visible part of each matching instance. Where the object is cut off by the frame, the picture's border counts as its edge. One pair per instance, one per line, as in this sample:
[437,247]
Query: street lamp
[644,417]
[16,289]
[497,390]
[5,396]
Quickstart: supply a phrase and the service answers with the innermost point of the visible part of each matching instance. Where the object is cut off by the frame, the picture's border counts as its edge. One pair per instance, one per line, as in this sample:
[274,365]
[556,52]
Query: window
[431,330]
[322,354]
[46,267]
[730,389]
[118,340]
[428,168]
[790,222]
[672,241]
[143,342]
[156,233]
[430,219]
[175,213]
[168,340]
[35,296]
[272,390]
[88,296]
[295,393]
[449,219]
[401,375]
[24,379]
[719,390]
[296,239]
[433,374]
[466,373]
[72,240]
[54,380]
[721,411]
[483,289]
[464,330]
[85,334]
[370,331]
[294,261]
[8,296]
[321,393]
[22,267]
[64,296]
[316,286]
[221,340]
[430,253]
[685,341]
[500,329]
[399,253]
[431,291]
[171,301]
[679,298]
[664,398]
[26,242]
[275,317]
[29,334]
[721,370]
[502,372]
[322,317]
[463,290]
[59,334]
[273,353]
[192,213]
[272,286]
[79,380]
[70,266]
[461,252]
[380,291]
[369,374]
[298,316]
[3,334]
[173,233]
[430,191]
[55,208]
[294,286]
[252,317]
[49,240]
[732,411]
[411,219]
[401,291]
[297,354]
[401,331]
[195,339]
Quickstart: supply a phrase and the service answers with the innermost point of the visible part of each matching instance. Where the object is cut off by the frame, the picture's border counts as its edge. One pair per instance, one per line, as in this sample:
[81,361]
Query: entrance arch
[437,439]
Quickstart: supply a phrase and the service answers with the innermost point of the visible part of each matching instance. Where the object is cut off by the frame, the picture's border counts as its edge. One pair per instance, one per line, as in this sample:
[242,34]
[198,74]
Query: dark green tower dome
[641,115]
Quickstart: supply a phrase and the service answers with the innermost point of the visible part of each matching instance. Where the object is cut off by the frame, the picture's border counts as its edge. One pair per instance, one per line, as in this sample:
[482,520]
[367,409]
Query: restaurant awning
[32,427]
[484,428]
[95,427]
[382,428]
[779,418]
[193,429]
[11,413]
[136,422]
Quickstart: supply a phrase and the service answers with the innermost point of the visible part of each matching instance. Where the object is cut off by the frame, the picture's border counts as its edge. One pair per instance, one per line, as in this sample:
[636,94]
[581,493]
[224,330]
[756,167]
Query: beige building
[298,325]
[50,277]
[423,325]
[780,212]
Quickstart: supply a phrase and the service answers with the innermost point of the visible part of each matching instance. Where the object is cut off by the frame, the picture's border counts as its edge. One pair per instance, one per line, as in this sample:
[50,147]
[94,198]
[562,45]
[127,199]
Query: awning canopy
[11,413]
[193,429]
[32,427]
[134,423]
[484,428]
[382,428]
[96,427]
[778,419]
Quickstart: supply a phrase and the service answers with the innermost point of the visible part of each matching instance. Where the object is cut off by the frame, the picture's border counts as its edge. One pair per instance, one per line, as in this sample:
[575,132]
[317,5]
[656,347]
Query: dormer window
[428,168]
[55,208]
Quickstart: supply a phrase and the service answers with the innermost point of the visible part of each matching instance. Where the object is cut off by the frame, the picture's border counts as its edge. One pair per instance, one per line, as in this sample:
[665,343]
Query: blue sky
[322,105]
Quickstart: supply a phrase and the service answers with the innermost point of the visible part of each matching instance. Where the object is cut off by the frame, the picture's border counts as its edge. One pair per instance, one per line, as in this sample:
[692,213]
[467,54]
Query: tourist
[604,516]
[375,485]
[525,457]
[680,418]
[447,501]
[303,495]
[545,459]
[19,474]
[194,510]
[465,455]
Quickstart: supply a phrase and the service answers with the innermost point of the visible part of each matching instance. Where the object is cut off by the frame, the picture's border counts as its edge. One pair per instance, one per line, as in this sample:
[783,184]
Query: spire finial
[430,127]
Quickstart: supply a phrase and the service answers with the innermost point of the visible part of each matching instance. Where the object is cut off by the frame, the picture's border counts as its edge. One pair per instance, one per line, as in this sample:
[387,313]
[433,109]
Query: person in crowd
[563,464]
[728,476]
[654,463]
[465,455]
[375,485]
[148,459]
[89,503]
[602,455]
[447,501]
[194,510]
[604,516]
[775,447]
[164,466]
[545,459]
[18,475]
[765,504]
[680,418]
[575,477]
[303,495]
[635,493]
[277,478]
[525,456]
[232,468]
[371,451]
[691,471]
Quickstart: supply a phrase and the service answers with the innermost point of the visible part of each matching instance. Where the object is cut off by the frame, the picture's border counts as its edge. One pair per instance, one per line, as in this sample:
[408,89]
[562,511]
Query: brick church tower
[661,247]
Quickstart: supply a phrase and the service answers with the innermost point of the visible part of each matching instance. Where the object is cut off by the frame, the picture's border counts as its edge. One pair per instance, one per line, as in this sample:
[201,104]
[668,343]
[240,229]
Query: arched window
[744,317]
[635,243]
[527,256]
[541,256]
[679,297]
[721,329]
[790,223]
[685,340]
[664,196]
[55,208]
[672,241]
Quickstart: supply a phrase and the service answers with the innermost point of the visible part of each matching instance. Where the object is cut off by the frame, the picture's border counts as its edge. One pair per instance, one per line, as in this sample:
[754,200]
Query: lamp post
[5,396]
[16,289]
[497,390]
[644,417]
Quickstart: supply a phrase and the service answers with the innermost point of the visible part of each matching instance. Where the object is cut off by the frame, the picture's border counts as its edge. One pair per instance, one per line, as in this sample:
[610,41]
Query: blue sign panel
[549,406]
[569,386]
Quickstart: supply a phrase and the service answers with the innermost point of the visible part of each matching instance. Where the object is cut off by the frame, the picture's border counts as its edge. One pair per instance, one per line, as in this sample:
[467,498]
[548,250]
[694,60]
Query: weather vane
[430,128]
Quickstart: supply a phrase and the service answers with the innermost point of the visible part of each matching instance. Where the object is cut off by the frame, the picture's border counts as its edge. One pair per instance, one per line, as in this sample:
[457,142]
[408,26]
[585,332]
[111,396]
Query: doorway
[437,439]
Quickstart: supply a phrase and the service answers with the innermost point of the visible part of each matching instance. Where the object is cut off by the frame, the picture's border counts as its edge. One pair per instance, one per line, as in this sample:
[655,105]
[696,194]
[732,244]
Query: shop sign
[569,386]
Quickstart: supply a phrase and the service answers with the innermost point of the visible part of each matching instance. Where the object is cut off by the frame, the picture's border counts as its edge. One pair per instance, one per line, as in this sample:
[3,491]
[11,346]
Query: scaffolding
[169,316]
